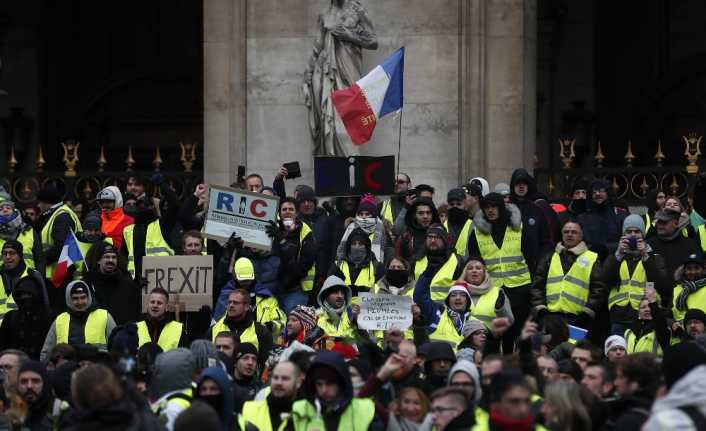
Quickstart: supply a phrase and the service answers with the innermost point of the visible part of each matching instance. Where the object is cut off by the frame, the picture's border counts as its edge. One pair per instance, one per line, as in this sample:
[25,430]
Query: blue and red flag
[70,255]
[372,97]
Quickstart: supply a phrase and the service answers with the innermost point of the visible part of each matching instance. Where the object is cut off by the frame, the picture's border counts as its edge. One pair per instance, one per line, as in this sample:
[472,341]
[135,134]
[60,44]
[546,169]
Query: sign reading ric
[382,311]
[245,213]
[354,175]
[189,277]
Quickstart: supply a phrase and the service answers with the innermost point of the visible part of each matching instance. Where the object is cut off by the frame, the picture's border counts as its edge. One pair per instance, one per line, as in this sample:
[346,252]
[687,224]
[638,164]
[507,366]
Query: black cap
[244,349]
[305,193]
[14,245]
[694,258]
[695,314]
[457,194]
[493,199]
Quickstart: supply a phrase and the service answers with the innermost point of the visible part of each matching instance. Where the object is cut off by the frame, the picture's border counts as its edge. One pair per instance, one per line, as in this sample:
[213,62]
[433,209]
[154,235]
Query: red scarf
[503,423]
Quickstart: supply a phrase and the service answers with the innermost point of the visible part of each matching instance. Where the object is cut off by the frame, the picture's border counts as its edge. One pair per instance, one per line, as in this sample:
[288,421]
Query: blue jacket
[221,378]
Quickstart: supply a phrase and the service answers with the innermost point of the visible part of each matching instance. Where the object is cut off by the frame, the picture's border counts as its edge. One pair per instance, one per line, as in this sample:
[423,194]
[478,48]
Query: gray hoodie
[173,371]
[689,391]
[469,368]
[332,282]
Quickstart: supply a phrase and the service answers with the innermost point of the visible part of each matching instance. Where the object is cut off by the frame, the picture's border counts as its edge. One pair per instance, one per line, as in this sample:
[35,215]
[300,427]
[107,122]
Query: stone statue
[335,64]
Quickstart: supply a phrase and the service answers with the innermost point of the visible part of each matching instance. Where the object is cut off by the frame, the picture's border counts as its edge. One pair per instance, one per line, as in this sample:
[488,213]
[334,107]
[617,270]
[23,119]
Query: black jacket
[535,225]
[117,293]
[26,327]
[264,336]
[120,416]
[675,250]
[296,258]
[63,223]
[410,244]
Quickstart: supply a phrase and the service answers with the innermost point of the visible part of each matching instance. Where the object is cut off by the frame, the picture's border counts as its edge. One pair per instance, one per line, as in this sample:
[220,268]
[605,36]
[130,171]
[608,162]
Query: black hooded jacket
[602,224]
[360,235]
[25,328]
[329,234]
[535,223]
[410,244]
[117,293]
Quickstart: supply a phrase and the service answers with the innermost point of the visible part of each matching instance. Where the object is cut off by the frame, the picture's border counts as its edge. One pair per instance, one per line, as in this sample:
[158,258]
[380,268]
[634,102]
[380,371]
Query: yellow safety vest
[446,331]
[461,246]
[647,343]
[443,279]
[364,282]
[7,302]
[695,300]
[248,336]
[357,416]
[344,329]
[307,282]
[94,331]
[155,245]
[484,309]
[257,413]
[48,241]
[568,293]
[632,287]
[702,237]
[181,399]
[506,265]
[26,238]
[168,338]
[386,211]
[267,310]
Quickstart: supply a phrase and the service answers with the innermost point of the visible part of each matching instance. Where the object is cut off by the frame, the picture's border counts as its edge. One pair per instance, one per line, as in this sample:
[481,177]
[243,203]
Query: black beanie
[695,314]
[681,359]
[243,349]
[568,366]
[37,367]
[493,199]
[49,194]
[14,245]
[124,340]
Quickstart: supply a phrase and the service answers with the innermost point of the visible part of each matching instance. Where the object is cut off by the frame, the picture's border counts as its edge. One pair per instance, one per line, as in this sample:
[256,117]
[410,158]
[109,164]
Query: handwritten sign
[187,278]
[384,311]
[245,213]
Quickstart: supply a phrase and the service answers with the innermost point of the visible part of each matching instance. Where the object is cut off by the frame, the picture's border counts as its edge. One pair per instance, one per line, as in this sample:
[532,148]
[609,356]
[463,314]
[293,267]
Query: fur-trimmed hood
[513,214]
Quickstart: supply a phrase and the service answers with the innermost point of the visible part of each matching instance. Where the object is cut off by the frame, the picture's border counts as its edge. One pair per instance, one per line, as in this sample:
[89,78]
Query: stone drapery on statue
[344,30]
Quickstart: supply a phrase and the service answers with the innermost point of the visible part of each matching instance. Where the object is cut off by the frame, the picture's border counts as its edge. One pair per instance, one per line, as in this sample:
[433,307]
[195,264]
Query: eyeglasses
[5,367]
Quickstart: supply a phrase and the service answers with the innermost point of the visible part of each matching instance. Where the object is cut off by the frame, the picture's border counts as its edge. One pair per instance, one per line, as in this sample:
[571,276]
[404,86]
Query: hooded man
[602,222]
[337,318]
[170,387]
[57,220]
[464,374]
[83,323]
[329,403]
[35,389]
[458,224]
[689,293]
[439,261]
[440,358]
[115,290]
[628,271]
[421,214]
[26,327]
[214,388]
[113,217]
[246,379]
[359,268]
[568,282]
[535,220]
[366,219]
[13,227]
[158,324]
[144,238]
[13,269]
[498,237]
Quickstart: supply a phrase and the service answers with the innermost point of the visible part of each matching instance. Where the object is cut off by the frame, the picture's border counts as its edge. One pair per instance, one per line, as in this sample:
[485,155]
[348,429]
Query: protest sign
[188,279]
[354,175]
[245,213]
[382,311]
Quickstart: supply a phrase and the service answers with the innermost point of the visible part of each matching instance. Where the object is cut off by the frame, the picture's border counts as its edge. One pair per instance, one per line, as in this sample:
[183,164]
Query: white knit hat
[614,341]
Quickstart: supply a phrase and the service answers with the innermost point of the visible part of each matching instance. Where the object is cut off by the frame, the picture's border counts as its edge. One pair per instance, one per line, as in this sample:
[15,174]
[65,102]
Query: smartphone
[632,243]
[293,170]
[241,172]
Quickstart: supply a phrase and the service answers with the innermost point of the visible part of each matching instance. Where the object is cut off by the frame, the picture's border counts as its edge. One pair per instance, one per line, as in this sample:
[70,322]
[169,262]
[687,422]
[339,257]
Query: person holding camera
[628,271]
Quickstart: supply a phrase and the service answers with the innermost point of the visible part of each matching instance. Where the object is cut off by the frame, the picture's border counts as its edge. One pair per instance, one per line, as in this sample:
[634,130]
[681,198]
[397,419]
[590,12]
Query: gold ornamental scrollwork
[188,155]
[620,185]
[674,184]
[692,151]
[87,187]
[70,158]
[25,189]
[566,152]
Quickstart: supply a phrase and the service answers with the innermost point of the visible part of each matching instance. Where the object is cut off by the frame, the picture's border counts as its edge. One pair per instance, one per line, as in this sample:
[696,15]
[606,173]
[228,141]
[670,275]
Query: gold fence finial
[129,161]
[157,162]
[12,161]
[659,156]
[629,156]
[102,161]
[566,151]
[188,155]
[40,162]
[70,157]
[692,151]
[599,157]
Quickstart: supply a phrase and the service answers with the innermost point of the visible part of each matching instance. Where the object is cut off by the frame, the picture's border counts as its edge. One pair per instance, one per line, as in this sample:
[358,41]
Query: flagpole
[399,143]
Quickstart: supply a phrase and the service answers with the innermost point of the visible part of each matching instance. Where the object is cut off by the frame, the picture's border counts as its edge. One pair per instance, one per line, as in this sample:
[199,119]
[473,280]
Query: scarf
[11,226]
[481,288]
[398,423]
[370,226]
[503,423]
[457,318]
[576,250]
[335,313]
[689,287]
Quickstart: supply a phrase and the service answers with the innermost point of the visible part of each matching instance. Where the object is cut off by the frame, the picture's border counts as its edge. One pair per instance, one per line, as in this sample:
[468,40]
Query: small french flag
[372,97]
[70,254]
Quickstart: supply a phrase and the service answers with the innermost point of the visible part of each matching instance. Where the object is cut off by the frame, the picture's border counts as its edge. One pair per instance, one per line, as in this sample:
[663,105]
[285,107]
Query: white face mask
[289,224]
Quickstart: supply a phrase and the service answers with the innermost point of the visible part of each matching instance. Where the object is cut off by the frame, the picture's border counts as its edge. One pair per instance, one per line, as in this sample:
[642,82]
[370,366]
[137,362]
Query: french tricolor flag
[70,254]
[372,97]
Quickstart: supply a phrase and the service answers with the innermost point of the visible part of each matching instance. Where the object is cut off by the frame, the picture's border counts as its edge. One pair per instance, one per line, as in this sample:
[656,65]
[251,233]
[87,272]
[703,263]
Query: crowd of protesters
[529,312]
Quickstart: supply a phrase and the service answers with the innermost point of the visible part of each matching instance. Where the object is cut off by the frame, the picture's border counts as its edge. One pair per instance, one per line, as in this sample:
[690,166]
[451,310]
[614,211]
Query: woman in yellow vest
[397,279]
[487,301]
[650,332]
[359,268]
[83,323]
[366,219]
[690,292]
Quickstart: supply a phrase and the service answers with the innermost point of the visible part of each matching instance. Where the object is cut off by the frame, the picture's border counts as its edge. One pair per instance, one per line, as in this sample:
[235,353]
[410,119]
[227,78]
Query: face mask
[397,277]
[288,224]
[358,254]
[215,401]
[457,215]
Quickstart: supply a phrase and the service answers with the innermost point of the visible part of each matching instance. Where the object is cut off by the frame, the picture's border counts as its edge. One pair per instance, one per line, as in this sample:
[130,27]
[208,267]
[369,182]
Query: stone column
[225,65]
[497,68]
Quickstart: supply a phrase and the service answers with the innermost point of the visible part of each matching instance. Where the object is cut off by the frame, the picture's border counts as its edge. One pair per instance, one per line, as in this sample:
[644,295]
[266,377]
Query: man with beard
[158,324]
[458,224]
[115,290]
[421,214]
[214,388]
[13,269]
[113,217]
[13,227]
[26,327]
[192,243]
[246,382]
[83,323]
[269,413]
[439,262]
[144,238]
[338,317]
[34,388]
